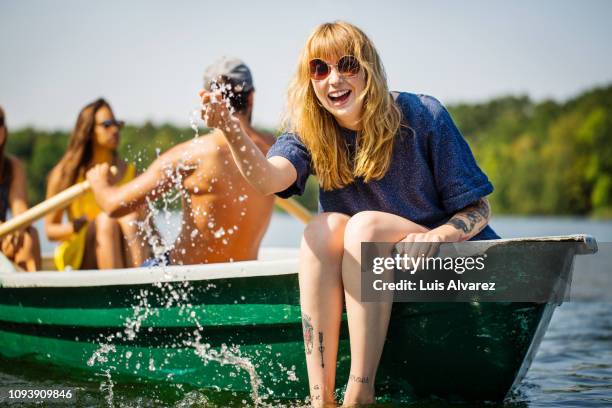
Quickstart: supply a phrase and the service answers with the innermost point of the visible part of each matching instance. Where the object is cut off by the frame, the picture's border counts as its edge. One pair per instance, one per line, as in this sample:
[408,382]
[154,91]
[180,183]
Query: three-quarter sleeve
[292,149]
[458,178]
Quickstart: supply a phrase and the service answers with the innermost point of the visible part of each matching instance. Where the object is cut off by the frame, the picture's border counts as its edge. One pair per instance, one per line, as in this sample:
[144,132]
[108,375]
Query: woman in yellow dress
[90,238]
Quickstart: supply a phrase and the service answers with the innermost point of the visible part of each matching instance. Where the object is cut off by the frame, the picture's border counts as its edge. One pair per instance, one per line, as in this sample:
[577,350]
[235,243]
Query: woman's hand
[79,223]
[427,243]
[218,113]
[11,242]
[421,244]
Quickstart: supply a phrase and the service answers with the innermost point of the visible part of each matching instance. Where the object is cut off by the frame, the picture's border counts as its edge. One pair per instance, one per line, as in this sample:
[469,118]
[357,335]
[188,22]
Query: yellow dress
[70,252]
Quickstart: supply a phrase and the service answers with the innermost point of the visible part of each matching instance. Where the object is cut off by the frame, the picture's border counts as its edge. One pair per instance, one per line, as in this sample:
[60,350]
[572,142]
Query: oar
[57,202]
[294,208]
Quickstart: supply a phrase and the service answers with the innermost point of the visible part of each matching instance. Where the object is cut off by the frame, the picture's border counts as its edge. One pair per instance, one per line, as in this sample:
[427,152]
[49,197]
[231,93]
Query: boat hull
[452,350]
[244,333]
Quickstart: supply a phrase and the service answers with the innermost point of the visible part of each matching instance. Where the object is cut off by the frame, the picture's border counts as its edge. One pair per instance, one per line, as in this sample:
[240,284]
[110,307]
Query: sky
[148,57]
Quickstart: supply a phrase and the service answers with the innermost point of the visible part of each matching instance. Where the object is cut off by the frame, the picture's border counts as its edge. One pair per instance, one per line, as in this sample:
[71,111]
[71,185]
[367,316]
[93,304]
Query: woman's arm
[54,228]
[462,226]
[267,176]
[467,222]
[18,193]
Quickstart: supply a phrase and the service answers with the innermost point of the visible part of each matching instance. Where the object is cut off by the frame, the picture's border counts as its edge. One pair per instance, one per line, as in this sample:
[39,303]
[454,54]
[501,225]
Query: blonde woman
[391,167]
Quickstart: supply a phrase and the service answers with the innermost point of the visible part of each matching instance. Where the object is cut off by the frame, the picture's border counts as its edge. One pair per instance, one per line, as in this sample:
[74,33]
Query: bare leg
[136,249]
[321,296]
[27,255]
[108,243]
[368,322]
[89,256]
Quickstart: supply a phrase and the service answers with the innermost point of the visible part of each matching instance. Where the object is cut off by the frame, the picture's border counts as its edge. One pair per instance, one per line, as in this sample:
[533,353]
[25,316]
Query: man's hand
[99,180]
[99,177]
[218,113]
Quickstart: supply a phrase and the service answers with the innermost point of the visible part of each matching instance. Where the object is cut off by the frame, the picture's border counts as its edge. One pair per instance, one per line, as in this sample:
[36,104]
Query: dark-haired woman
[22,247]
[91,239]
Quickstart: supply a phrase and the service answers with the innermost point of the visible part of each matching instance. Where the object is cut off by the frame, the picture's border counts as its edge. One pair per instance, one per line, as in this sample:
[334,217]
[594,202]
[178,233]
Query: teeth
[337,94]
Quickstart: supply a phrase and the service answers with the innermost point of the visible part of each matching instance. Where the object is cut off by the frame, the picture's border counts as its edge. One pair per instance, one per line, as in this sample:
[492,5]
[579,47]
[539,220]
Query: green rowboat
[237,326]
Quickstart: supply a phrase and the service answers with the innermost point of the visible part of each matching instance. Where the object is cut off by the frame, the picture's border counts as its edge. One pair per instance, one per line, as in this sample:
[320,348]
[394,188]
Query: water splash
[106,388]
[170,293]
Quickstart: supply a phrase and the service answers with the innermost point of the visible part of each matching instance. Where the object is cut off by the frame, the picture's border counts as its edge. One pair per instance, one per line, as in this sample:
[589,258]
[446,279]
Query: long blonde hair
[318,129]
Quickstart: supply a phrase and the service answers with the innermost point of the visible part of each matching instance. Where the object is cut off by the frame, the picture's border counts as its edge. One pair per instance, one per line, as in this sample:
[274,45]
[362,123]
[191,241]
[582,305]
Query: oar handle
[57,202]
[294,208]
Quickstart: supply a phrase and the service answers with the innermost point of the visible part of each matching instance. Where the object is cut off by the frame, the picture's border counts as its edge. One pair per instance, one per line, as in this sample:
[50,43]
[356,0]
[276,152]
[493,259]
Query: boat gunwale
[200,272]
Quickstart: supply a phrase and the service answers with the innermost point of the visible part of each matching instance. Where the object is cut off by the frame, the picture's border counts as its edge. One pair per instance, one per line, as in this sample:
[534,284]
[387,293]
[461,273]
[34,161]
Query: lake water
[573,367]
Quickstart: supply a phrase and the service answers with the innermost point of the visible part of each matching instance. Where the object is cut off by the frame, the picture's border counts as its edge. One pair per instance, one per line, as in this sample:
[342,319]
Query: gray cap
[231,68]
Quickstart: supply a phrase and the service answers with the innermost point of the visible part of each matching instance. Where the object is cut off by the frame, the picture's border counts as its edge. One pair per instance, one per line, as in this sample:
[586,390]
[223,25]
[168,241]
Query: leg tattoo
[307,326]
[321,348]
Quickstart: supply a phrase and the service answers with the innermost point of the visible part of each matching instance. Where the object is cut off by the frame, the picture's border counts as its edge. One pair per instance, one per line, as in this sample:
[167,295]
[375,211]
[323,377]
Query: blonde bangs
[330,44]
[318,129]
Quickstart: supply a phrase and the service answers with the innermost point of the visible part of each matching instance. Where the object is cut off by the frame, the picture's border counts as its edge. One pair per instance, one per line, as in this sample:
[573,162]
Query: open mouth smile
[339,97]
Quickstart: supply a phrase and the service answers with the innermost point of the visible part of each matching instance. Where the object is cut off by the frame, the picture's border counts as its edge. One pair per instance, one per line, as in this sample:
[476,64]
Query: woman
[90,238]
[22,247]
[391,168]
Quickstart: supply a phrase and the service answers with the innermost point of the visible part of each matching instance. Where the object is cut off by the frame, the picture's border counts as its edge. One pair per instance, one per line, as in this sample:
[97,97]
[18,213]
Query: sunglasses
[2,121]
[347,66]
[111,122]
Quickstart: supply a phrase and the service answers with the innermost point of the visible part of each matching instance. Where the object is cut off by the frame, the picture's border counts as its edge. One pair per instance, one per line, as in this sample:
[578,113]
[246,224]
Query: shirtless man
[224,218]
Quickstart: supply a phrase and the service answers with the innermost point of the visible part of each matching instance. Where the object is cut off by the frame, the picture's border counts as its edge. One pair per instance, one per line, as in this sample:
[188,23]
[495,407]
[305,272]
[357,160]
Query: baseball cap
[232,69]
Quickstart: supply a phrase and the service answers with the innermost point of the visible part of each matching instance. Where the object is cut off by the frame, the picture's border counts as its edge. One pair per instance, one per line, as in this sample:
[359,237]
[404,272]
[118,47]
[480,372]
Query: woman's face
[339,95]
[106,130]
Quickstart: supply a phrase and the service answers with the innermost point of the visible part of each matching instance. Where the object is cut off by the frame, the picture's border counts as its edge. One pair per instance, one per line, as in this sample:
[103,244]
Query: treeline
[543,158]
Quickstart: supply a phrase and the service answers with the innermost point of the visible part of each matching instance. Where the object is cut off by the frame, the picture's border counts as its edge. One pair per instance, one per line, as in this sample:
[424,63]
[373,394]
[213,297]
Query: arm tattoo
[474,214]
[307,327]
[483,208]
[321,348]
[457,223]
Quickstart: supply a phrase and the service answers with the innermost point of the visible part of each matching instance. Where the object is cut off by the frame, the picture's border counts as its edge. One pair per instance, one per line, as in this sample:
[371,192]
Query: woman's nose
[334,77]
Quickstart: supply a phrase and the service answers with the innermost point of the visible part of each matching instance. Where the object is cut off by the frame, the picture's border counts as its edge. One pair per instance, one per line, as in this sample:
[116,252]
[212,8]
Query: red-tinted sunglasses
[347,66]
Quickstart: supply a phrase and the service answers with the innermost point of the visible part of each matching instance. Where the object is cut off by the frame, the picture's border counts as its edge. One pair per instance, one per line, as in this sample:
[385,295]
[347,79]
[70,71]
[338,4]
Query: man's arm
[118,201]
[267,176]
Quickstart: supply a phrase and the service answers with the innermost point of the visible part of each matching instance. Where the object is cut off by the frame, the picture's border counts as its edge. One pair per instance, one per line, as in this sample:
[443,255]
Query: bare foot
[358,395]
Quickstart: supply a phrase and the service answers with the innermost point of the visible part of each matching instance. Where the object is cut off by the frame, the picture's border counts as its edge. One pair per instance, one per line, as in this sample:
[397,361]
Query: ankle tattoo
[361,380]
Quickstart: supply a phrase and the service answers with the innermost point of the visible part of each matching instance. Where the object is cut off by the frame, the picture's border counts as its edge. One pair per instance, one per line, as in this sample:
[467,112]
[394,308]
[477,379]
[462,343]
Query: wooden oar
[63,199]
[294,208]
[57,202]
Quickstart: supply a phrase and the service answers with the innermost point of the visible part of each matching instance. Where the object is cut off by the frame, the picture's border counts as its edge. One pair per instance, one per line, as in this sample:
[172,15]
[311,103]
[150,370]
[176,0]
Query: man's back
[224,218]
